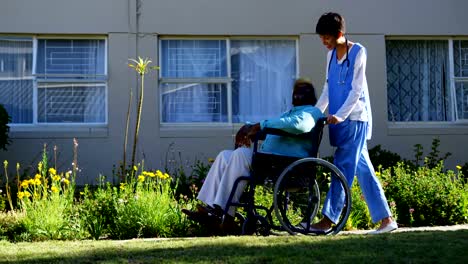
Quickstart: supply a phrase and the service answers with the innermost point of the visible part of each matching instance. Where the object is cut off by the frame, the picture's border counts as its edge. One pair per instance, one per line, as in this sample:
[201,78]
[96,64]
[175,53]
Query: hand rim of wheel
[337,172]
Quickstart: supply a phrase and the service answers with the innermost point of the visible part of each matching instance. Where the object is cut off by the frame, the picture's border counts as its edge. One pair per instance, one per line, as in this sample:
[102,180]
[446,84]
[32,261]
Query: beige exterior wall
[369,22]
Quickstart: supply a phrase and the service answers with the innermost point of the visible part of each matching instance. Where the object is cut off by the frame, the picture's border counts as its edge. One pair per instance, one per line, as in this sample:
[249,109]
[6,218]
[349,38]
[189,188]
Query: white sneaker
[389,228]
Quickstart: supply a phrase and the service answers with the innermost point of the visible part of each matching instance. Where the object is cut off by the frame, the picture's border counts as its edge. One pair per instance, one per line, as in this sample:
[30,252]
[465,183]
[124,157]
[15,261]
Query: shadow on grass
[416,247]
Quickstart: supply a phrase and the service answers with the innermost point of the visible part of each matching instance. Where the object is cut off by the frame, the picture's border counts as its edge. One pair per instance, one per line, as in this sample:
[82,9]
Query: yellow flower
[67,174]
[377,173]
[20,195]
[122,186]
[159,174]
[135,168]
[37,182]
[148,174]
[37,176]
[5,163]
[52,171]
[66,181]
[17,166]
[39,166]
[166,176]
[27,194]
[32,181]
[56,178]
[54,189]
[459,167]
[141,178]
[211,160]
[25,184]
[82,193]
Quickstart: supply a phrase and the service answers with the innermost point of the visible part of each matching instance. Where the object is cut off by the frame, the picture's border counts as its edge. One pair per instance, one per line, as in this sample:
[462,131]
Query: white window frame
[458,125]
[225,80]
[35,125]
[454,80]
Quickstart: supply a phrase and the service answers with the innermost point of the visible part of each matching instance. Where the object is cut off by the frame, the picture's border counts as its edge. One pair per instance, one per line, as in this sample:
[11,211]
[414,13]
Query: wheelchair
[298,186]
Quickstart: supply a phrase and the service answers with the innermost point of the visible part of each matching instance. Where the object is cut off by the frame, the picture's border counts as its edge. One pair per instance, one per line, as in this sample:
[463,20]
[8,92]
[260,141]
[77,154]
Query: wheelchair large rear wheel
[299,194]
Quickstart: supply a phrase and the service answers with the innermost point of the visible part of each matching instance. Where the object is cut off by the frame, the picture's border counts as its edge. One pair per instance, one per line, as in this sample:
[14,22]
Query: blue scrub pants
[351,157]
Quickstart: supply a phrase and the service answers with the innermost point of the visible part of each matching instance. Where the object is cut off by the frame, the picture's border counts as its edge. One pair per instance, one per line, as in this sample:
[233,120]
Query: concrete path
[412,229]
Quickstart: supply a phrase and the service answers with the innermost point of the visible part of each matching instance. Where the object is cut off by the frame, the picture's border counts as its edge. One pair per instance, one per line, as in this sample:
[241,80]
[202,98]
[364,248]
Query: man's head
[331,27]
[303,93]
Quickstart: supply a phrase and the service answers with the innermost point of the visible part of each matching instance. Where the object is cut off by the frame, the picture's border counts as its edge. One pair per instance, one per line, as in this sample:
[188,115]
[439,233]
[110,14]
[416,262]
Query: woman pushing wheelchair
[346,95]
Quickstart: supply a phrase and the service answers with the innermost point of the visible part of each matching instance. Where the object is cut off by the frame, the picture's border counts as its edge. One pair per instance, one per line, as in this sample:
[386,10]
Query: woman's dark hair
[330,24]
[309,95]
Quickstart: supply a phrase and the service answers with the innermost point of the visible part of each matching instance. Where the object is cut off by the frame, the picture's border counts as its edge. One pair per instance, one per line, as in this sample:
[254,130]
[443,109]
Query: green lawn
[405,247]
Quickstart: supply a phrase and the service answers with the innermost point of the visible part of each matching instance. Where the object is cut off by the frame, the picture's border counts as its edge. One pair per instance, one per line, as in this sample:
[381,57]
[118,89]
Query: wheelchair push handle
[323,121]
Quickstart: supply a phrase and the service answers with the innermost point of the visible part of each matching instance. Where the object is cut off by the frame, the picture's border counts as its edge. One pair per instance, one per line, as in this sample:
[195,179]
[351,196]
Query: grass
[405,247]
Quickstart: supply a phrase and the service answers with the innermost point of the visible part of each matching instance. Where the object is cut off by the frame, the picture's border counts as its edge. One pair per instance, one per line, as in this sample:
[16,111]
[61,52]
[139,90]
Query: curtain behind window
[263,73]
[417,80]
[16,81]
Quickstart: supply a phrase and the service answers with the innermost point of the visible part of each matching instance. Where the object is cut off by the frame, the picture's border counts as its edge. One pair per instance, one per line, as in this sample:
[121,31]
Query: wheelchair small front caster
[256,224]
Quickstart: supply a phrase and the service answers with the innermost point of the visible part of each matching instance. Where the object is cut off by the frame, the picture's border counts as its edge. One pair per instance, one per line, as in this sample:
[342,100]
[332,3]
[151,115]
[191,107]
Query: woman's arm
[322,102]
[357,86]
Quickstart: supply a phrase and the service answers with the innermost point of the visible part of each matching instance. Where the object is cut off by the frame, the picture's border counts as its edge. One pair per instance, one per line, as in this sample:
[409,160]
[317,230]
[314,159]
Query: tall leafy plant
[142,67]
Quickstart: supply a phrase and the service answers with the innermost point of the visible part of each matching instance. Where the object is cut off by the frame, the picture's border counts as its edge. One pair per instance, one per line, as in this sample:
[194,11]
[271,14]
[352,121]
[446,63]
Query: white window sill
[58,131]
[427,128]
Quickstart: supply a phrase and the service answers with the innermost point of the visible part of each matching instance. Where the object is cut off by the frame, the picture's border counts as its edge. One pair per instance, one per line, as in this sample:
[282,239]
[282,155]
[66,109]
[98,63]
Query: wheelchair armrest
[262,134]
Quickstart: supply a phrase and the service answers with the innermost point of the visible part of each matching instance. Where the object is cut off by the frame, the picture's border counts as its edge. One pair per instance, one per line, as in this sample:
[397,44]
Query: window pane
[69,57]
[460,53]
[417,80]
[16,82]
[264,72]
[461,89]
[194,102]
[71,103]
[193,58]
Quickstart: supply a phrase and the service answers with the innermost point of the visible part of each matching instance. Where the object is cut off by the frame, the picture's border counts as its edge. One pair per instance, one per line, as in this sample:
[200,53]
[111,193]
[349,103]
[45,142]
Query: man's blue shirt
[298,120]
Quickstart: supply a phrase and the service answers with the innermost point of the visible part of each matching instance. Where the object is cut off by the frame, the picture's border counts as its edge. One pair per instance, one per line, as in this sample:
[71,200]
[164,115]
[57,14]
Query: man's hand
[253,131]
[332,119]
[242,138]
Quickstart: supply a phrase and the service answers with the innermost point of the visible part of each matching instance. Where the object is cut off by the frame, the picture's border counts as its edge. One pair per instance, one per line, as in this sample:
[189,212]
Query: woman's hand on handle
[332,119]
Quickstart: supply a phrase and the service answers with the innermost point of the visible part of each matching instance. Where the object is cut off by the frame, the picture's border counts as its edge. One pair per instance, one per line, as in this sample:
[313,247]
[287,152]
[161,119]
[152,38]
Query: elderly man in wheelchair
[284,153]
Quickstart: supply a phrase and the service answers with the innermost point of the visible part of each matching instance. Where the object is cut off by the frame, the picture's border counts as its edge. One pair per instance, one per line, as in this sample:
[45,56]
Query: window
[47,81]
[16,80]
[460,51]
[225,80]
[426,80]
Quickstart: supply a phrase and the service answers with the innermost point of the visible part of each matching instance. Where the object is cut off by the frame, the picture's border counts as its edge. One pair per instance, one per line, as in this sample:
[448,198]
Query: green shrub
[4,128]
[384,158]
[426,196]
[147,207]
[3,200]
[98,210]
[11,226]
[47,201]
[463,172]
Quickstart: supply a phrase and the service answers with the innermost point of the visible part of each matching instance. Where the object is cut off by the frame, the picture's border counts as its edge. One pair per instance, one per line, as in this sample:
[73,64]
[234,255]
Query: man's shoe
[389,228]
[229,226]
[196,216]
[206,209]
[313,229]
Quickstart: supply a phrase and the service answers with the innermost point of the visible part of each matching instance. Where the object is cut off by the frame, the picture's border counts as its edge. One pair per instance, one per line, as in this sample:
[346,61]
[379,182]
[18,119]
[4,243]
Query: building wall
[368,22]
